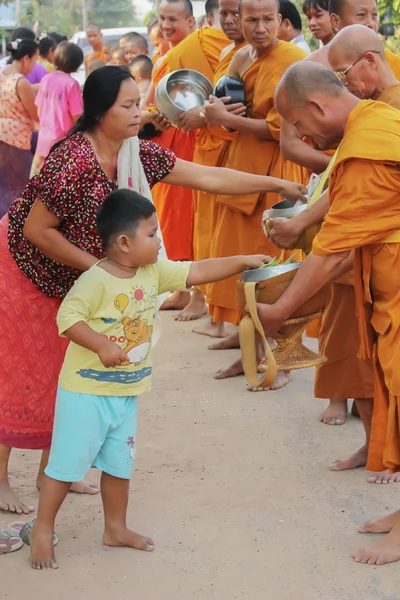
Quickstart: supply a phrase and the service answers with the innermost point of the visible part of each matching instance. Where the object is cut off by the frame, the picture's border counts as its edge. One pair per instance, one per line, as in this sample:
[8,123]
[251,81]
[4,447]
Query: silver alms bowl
[180,91]
[268,272]
[286,208]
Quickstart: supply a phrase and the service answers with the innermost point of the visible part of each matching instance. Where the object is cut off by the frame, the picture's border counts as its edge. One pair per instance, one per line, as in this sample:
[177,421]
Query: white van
[111,37]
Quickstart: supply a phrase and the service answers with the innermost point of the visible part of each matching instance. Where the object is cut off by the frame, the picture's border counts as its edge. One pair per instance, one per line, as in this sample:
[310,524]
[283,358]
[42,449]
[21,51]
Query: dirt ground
[235,491]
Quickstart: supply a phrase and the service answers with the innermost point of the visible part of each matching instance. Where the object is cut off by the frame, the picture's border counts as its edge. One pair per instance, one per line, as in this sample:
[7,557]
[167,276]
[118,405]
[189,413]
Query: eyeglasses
[343,74]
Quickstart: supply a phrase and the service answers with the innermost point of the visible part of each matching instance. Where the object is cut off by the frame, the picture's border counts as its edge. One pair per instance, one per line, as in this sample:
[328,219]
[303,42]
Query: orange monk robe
[99,55]
[365,216]
[238,230]
[199,51]
[344,375]
[394,63]
[211,150]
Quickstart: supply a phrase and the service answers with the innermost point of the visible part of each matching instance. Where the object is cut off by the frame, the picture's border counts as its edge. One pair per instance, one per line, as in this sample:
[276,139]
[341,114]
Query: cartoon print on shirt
[138,335]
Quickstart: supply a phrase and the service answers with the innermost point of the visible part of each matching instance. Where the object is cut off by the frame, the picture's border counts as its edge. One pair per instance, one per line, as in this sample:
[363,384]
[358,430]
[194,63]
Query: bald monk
[212,150]
[199,50]
[358,51]
[255,149]
[364,220]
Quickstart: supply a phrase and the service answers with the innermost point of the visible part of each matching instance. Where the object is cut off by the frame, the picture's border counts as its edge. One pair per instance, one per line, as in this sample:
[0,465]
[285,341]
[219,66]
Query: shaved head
[336,7]
[353,41]
[254,2]
[187,6]
[303,79]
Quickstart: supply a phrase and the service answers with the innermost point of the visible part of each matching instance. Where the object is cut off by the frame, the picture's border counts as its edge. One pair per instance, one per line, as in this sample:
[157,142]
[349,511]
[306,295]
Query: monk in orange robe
[95,39]
[211,149]
[199,50]
[363,220]
[343,376]
[255,149]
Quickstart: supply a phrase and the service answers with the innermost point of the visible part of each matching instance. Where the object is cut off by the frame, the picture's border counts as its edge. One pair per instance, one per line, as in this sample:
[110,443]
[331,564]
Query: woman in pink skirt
[49,237]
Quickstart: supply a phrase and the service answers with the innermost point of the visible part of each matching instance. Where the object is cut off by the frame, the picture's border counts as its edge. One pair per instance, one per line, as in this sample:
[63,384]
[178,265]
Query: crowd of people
[80,255]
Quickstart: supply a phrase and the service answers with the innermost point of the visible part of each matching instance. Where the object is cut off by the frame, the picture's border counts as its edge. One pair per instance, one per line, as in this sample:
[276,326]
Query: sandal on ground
[25,532]
[9,543]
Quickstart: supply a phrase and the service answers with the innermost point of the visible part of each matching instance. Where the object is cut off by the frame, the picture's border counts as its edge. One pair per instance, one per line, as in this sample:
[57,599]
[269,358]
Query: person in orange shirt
[255,149]
[95,39]
[361,228]
[199,50]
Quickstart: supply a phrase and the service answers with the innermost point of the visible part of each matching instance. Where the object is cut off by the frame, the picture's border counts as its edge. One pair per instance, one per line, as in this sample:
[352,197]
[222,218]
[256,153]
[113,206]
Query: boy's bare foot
[207,327]
[10,502]
[78,487]
[176,301]
[336,413]
[42,549]
[126,538]
[384,525]
[358,459]
[384,477]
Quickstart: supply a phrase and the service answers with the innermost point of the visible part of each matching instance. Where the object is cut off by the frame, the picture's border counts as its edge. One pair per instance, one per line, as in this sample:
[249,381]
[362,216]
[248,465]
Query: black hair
[99,95]
[68,57]
[46,44]
[121,212]
[21,48]
[336,7]
[289,11]
[23,32]
[58,37]
[316,5]
[145,61]
[210,7]
[186,3]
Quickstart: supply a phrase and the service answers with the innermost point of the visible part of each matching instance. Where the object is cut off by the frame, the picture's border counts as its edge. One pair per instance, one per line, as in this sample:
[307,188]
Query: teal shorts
[92,431]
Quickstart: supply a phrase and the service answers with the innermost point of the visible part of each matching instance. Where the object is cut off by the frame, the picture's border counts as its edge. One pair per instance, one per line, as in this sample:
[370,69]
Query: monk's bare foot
[125,538]
[282,379]
[228,343]
[383,552]
[78,487]
[196,308]
[358,459]
[10,502]
[176,301]
[336,413]
[207,327]
[384,525]
[232,371]
[42,549]
[384,477]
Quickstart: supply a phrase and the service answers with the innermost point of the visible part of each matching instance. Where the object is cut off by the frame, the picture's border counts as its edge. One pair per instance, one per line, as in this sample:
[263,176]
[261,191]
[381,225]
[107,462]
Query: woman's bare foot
[384,525]
[232,371]
[78,487]
[282,379]
[383,552]
[126,538]
[358,459]
[42,549]
[229,343]
[384,477]
[10,502]
[336,413]
[207,327]
[196,308]
[176,301]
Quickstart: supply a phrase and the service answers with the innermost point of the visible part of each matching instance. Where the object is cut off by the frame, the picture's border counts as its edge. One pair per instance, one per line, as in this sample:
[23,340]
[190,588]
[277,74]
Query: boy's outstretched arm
[215,269]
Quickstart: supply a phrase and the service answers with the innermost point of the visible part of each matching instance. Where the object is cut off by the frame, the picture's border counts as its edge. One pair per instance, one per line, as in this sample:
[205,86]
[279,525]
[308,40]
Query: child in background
[108,52]
[118,57]
[160,45]
[47,46]
[95,64]
[59,101]
[141,69]
[136,47]
[109,316]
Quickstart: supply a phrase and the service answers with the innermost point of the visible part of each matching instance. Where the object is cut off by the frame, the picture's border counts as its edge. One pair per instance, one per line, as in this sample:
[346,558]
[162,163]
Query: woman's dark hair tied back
[20,48]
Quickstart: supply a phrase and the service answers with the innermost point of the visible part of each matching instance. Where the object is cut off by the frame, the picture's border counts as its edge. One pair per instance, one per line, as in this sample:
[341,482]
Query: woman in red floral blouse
[49,237]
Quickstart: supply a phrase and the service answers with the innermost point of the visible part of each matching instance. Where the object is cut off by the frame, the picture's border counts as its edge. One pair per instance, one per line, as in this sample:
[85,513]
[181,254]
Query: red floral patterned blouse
[72,185]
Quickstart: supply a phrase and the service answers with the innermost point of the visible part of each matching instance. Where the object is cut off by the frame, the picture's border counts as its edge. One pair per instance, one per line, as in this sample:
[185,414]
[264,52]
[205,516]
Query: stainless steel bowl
[268,272]
[286,208]
[180,91]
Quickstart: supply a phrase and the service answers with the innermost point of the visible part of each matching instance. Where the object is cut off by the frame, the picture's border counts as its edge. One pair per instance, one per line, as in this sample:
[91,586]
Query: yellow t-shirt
[124,310]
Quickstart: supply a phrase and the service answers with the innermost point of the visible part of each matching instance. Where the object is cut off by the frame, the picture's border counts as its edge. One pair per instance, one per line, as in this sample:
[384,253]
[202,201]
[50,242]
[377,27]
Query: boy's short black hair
[316,5]
[121,212]
[289,11]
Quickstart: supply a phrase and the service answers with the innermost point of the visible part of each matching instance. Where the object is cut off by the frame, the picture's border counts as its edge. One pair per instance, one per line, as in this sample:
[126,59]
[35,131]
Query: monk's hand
[255,261]
[111,355]
[192,119]
[239,109]
[270,318]
[293,191]
[283,232]
[216,112]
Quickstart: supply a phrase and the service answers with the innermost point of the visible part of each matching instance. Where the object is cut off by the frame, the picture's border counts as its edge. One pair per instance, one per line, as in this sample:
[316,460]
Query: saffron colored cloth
[31,355]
